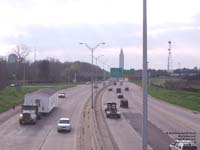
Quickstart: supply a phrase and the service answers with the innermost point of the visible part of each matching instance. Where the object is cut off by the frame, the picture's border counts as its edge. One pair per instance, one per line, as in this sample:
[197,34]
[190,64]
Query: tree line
[47,71]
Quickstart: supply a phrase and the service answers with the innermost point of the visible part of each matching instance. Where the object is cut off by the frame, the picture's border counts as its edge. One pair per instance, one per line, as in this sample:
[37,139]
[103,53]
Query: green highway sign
[116,72]
[119,72]
[128,73]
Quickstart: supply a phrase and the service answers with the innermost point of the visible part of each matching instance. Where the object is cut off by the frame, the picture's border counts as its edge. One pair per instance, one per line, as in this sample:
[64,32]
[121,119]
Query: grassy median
[190,100]
[12,96]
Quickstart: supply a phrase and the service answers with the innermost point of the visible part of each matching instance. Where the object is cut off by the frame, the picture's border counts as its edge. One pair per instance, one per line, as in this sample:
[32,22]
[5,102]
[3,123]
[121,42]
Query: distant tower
[12,58]
[169,65]
[121,59]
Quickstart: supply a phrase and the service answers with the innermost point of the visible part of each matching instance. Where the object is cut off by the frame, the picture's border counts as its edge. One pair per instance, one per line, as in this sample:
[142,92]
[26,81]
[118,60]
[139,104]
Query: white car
[64,125]
[61,95]
[12,85]
[183,145]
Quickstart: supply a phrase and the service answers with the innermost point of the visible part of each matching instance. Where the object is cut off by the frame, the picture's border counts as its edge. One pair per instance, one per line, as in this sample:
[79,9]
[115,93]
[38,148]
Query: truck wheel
[20,122]
[38,117]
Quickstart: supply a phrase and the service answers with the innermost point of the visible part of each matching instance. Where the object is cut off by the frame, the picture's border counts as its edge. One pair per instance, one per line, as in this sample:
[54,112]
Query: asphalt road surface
[166,121]
[44,135]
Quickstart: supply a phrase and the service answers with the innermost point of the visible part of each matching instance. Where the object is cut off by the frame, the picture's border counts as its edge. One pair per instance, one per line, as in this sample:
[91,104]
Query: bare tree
[22,51]
[3,73]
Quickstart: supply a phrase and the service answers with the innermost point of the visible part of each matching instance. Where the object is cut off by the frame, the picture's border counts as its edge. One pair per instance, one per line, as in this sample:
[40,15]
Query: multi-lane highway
[165,120]
[44,135]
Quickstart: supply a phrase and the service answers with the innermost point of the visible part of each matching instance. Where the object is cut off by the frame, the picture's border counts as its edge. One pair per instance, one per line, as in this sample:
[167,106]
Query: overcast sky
[55,27]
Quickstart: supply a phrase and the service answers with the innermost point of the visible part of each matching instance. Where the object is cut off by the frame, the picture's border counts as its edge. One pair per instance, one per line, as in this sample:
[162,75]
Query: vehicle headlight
[20,115]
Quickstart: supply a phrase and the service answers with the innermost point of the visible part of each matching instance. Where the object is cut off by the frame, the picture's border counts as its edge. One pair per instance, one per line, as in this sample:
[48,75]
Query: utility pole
[169,64]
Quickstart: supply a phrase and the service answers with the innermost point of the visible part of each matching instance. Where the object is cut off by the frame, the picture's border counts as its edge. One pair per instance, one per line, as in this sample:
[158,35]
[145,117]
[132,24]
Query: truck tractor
[29,114]
[111,110]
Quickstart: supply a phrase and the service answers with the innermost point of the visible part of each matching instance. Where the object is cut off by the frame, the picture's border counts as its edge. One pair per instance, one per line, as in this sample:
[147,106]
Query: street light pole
[96,58]
[92,76]
[92,105]
[144,78]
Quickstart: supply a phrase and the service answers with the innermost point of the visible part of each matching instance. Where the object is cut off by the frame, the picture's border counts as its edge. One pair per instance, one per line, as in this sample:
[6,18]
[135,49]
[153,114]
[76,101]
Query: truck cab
[29,114]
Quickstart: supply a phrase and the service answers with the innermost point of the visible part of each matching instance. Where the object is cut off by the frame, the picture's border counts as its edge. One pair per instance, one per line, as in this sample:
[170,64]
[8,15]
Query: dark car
[126,89]
[95,86]
[118,90]
[120,96]
[110,89]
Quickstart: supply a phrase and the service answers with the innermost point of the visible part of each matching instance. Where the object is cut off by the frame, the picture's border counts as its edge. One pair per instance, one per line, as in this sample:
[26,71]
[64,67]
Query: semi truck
[37,103]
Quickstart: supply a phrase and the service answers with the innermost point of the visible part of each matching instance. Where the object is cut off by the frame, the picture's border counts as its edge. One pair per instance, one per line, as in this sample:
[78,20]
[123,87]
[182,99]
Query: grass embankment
[190,100]
[12,96]
[186,99]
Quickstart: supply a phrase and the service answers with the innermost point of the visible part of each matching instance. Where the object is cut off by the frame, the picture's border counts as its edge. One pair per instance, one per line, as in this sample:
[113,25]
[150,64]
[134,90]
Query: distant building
[3,58]
[12,58]
[121,59]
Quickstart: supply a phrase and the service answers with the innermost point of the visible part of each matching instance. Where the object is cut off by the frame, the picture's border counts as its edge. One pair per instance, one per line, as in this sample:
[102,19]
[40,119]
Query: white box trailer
[46,99]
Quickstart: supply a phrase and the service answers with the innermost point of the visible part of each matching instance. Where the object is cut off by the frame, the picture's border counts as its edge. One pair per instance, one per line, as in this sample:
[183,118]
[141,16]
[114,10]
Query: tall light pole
[104,76]
[92,49]
[144,78]
[105,64]
[96,58]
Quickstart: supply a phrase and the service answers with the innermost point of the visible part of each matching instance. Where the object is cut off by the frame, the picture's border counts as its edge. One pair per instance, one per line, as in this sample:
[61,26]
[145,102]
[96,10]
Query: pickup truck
[183,145]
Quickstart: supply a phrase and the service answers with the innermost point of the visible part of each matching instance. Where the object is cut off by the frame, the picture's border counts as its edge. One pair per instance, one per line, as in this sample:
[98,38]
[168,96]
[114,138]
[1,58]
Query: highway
[44,135]
[165,120]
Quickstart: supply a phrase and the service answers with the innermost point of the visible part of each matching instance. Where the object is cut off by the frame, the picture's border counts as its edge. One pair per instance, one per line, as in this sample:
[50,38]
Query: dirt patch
[188,85]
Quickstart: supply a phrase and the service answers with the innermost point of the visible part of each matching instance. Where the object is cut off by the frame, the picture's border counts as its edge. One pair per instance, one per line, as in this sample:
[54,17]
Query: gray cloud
[68,35]
[64,40]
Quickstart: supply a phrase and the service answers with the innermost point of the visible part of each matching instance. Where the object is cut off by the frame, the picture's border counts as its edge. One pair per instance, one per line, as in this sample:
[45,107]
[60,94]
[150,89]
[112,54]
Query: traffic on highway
[99,75]
[114,123]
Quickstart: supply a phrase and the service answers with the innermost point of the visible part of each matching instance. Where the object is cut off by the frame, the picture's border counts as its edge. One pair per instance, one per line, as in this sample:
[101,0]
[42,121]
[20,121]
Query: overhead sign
[128,73]
[119,72]
[116,72]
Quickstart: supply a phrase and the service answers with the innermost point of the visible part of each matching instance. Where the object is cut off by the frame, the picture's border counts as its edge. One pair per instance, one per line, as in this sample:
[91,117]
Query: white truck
[39,102]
